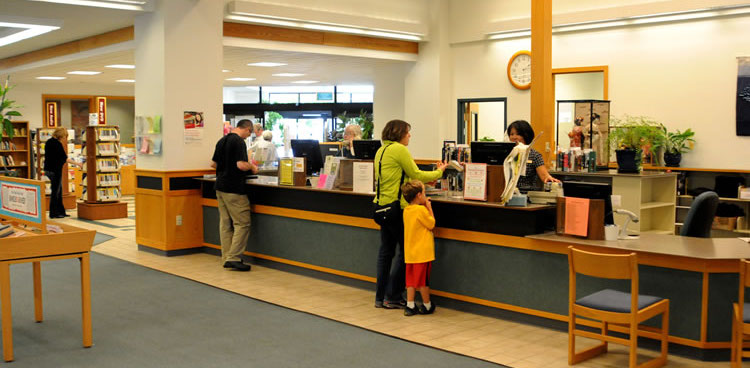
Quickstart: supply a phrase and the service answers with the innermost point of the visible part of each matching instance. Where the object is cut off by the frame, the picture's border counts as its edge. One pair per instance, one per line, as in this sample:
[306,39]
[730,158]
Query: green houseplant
[677,143]
[7,108]
[630,136]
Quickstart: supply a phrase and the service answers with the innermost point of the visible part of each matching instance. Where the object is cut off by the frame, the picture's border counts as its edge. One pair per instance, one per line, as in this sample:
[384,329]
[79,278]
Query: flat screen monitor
[329,150]
[492,153]
[592,191]
[310,150]
[365,149]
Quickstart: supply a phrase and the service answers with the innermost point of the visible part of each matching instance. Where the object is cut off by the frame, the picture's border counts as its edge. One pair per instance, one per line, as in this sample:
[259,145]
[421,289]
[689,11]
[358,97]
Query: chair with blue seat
[701,215]
[612,309]
[741,318]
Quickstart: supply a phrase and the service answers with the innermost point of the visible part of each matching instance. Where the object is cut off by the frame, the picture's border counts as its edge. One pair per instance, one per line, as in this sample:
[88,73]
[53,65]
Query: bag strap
[380,175]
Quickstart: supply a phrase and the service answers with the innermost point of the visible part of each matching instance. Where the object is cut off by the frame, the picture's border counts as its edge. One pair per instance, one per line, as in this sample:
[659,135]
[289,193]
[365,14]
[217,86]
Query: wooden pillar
[542,93]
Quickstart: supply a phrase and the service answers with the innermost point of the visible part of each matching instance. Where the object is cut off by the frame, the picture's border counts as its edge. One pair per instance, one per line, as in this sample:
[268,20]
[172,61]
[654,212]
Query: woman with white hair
[264,151]
[351,132]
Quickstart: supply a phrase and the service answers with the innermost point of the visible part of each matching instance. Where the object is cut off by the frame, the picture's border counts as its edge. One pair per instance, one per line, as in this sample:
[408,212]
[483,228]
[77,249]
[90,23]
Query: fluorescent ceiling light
[225,71]
[266,64]
[631,21]
[84,72]
[240,79]
[310,114]
[51,78]
[260,19]
[126,80]
[29,30]
[305,82]
[112,4]
[288,75]
[121,66]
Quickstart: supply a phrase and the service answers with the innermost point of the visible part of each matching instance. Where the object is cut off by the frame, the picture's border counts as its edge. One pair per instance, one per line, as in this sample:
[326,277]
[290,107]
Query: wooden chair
[741,318]
[615,310]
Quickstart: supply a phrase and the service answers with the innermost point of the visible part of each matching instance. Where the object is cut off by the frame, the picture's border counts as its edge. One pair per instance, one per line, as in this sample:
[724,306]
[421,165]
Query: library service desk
[490,259]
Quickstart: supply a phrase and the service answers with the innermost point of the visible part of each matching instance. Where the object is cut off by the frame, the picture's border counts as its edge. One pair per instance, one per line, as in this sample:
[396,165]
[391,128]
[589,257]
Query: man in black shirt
[231,164]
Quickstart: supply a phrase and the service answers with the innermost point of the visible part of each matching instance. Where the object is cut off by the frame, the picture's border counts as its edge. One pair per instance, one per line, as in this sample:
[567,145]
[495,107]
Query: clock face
[519,70]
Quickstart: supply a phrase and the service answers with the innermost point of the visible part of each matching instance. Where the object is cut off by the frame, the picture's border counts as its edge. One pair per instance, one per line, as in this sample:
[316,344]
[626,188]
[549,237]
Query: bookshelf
[101,177]
[14,152]
[68,191]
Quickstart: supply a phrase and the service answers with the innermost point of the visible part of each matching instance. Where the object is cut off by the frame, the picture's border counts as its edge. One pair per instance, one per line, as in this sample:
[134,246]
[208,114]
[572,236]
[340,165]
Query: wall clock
[519,70]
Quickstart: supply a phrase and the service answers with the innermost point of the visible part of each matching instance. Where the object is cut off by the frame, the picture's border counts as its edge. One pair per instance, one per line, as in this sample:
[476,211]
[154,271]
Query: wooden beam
[68,48]
[252,31]
[542,94]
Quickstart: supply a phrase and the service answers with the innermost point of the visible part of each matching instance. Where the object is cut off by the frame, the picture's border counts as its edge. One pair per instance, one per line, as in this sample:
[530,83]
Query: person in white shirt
[264,151]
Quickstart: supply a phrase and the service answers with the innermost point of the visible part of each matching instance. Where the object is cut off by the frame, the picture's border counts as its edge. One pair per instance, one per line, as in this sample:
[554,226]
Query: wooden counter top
[672,245]
[610,173]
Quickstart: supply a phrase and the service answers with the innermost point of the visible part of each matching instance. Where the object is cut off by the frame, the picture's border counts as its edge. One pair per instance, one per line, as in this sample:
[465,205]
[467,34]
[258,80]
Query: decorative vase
[672,159]
[626,161]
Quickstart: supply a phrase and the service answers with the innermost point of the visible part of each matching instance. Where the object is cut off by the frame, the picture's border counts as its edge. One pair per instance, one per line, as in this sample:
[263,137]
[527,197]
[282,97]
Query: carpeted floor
[101,238]
[146,318]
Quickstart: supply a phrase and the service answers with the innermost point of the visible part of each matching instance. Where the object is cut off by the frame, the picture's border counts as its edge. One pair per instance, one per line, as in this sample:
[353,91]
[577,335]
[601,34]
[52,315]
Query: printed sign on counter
[475,184]
[21,201]
[363,177]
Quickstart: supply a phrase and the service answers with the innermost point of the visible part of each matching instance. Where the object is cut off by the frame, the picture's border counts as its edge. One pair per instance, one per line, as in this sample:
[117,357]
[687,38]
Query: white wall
[388,96]
[491,120]
[681,74]
[30,97]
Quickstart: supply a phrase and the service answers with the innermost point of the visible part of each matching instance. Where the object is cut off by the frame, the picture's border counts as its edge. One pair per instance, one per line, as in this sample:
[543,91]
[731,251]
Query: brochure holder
[595,221]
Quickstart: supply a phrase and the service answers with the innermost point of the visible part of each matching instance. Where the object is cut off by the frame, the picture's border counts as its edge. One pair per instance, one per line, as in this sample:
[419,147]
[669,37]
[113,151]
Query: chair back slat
[608,266]
[745,272]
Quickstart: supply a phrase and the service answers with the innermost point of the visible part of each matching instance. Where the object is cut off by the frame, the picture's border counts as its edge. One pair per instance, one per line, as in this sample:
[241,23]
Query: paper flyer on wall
[193,123]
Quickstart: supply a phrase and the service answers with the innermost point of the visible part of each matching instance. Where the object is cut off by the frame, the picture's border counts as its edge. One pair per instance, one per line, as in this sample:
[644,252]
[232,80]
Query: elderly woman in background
[55,158]
[264,151]
[351,132]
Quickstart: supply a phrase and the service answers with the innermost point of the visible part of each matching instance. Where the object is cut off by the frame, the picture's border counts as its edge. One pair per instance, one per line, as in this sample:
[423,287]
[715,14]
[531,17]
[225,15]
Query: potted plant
[629,137]
[677,143]
[7,109]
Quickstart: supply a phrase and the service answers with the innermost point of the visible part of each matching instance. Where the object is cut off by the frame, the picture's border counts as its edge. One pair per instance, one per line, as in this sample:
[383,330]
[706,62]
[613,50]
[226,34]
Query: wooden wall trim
[268,33]
[73,47]
[586,69]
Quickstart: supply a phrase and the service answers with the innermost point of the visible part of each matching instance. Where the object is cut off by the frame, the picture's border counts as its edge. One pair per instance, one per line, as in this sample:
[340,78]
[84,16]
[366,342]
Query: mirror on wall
[576,85]
[481,119]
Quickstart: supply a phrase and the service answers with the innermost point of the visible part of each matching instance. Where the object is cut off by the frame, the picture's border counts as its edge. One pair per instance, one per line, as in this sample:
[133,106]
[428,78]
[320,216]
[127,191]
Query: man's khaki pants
[234,224]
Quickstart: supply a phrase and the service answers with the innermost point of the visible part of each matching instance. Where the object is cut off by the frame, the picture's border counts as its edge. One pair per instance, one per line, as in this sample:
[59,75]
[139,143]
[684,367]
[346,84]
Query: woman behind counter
[352,132]
[394,166]
[54,159]
[520,131]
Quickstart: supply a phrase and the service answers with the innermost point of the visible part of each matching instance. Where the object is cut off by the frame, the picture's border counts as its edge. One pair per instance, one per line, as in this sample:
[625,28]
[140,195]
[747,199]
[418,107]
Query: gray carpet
[146,318]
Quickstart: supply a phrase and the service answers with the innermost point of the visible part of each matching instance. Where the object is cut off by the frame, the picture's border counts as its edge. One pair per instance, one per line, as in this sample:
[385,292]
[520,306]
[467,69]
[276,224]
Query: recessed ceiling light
[121,66]
[126,80]
[26,31]
[288,75]
[112,4]
[240,79]
[305,81]
[83,72]
[51,78]
[266,64]
[225,70]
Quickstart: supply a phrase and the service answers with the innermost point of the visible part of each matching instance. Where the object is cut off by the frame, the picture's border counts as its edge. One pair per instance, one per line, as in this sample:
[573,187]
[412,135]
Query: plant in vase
[677,143]
[629,137]
[7,109]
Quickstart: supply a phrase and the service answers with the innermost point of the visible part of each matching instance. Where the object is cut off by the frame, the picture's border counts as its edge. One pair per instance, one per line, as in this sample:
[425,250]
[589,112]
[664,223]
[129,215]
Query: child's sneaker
[423,310]
[411,311]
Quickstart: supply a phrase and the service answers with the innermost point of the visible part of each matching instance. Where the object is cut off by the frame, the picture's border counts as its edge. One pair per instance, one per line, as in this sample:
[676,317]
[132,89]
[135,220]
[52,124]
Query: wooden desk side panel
[596,218]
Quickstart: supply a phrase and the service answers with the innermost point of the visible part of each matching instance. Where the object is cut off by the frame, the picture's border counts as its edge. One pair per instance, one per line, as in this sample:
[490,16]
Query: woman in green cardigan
[393,166]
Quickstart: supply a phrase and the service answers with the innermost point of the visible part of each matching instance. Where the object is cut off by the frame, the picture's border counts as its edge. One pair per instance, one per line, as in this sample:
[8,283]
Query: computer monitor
[492,153]
[310,150]
[329,150]
[592,191]
[365,149]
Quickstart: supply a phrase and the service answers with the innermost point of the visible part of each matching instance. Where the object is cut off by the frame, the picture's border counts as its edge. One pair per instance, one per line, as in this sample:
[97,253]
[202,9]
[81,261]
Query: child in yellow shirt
[419,246]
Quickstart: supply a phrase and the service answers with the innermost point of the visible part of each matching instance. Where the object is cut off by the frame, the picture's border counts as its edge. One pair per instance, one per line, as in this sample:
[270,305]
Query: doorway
[481,119]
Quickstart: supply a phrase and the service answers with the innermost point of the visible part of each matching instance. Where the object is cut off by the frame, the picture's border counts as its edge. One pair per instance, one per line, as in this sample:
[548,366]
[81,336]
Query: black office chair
[700,216]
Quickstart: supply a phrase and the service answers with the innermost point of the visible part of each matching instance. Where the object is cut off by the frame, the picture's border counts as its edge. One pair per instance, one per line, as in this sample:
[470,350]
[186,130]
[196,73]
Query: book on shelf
[110,148]
[105,193]
[107,164]
[107,134]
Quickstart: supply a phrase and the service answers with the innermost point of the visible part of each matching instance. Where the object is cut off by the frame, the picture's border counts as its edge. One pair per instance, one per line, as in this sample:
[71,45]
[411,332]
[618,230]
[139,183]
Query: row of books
[7,161]
[105,194]
[106,149]
[7,146]
[104,180]
[19,132]
[108,164]
[107,134]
